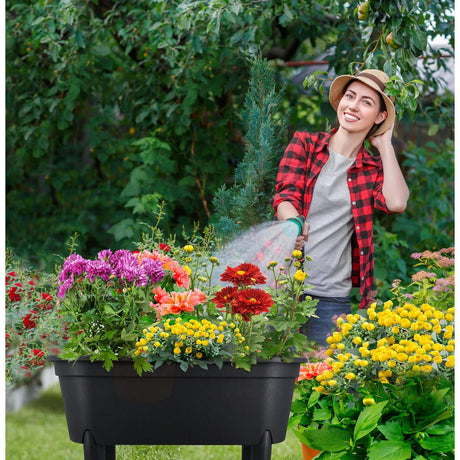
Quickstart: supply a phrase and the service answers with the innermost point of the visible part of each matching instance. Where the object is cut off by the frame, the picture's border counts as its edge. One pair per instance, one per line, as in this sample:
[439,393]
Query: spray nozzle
[299,221]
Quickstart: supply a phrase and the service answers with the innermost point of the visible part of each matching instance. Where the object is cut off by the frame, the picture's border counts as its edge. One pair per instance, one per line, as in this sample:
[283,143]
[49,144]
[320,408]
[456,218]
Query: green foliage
[409,420]
[113,107]
[247,202]
[428,222]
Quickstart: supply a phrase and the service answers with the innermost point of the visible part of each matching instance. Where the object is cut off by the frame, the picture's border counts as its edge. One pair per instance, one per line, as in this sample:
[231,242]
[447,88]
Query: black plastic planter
[169,406]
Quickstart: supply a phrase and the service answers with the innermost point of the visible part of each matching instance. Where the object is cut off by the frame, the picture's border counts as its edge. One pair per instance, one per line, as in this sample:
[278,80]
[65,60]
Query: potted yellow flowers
[388,390]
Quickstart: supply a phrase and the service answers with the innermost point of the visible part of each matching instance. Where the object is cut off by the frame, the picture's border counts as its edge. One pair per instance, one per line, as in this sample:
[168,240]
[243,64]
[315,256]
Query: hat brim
[336,94]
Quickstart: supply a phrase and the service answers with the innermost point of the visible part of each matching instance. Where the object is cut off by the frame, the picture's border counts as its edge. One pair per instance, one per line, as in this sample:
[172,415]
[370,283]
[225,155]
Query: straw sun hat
[373,78]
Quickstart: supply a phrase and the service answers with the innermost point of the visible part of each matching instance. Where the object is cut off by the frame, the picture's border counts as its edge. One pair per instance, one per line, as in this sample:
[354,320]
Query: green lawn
[38,431]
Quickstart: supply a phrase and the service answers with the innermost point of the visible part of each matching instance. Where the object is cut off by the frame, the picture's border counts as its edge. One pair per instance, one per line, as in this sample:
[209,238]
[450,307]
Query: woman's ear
[381,117]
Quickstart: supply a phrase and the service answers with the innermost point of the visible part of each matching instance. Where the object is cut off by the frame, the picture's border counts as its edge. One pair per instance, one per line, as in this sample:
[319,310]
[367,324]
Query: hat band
[377,81]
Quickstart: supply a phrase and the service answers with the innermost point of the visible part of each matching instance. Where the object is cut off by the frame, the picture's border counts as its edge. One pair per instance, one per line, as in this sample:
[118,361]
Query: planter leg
[94,451]
[260,451]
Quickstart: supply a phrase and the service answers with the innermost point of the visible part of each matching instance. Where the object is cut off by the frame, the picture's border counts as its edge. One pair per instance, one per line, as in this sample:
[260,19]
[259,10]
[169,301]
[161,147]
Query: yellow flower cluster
[388,343]
[187,340]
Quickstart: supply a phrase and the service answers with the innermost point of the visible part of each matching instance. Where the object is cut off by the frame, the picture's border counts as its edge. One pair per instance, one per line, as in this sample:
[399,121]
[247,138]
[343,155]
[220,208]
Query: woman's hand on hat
[383,139]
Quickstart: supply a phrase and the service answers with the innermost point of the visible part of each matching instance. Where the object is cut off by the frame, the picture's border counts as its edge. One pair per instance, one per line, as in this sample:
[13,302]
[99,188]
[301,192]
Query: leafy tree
[114,106]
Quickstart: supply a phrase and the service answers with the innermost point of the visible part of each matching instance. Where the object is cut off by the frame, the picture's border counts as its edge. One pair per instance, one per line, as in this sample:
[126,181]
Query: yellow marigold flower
[450,362]
[405,323]
[427,368]
[451,310]
[319,389]
[299,276]
[350,376]
[157,344]
[368,401]
[351,319]
[332,383]
[401,357]
[187,269]
[297,254]
[199,355]
[205,343]
[449,348]
[371,314]
[395,330]
[357,340]
[188,248]
[364,352]
[438,359]
[329,352]
[391,363]
[447,335]
[328,375]
[364,362]
[416,368]
[340,346]
[177,351]
[388,304]
[437,329]
[337,337]
[142,342]
[188,350]
[137,352]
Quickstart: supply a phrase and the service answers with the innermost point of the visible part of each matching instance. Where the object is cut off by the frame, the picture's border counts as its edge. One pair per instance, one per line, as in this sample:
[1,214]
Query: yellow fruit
[390,40]
[363,11]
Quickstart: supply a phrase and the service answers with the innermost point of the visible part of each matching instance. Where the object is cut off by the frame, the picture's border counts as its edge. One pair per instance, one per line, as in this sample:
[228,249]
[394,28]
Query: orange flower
[176,302]
[310,371]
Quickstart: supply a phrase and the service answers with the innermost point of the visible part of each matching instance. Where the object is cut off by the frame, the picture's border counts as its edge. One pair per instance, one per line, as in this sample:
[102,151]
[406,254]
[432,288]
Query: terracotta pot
[308,453]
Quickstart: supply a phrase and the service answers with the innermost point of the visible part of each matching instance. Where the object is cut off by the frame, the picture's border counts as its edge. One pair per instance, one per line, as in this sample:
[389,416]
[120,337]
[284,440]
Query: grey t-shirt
[331,228]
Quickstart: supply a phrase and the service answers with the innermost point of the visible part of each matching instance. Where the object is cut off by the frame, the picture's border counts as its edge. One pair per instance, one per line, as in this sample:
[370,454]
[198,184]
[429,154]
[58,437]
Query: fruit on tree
[363,11]
[391,41]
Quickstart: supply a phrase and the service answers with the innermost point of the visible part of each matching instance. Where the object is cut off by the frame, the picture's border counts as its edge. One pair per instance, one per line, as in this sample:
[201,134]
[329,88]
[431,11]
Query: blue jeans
[318,329]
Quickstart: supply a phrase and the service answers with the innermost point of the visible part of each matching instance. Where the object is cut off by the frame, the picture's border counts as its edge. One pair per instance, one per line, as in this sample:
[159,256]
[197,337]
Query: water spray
[260,245]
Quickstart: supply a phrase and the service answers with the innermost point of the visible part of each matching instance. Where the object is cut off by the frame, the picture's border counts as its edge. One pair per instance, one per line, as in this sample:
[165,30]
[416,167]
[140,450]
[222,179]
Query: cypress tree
[248,201]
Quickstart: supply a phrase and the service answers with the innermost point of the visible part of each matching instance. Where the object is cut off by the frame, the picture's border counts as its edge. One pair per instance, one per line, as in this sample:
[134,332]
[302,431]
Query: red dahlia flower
[251,302]
[225,296]
[244,274]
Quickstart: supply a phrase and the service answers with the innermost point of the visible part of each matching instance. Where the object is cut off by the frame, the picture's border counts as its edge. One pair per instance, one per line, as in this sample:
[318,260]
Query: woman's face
[359,109]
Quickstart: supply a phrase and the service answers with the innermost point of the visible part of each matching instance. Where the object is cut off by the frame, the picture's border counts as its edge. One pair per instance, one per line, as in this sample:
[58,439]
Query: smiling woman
[332,181]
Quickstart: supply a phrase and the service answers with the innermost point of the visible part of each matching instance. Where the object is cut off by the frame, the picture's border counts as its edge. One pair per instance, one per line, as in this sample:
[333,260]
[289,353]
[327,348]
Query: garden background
[115,107]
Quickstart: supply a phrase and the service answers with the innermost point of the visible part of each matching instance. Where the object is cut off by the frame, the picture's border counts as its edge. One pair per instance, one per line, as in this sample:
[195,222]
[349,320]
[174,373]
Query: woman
[332,181]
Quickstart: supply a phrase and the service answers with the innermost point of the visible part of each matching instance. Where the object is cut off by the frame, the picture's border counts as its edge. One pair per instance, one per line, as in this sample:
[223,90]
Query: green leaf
[328,438]
[368,420]
[390,450]
[392,430]
[443,443]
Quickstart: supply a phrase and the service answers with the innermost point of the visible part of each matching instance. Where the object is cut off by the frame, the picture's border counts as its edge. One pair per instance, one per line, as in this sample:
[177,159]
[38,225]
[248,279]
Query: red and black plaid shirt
[298,170]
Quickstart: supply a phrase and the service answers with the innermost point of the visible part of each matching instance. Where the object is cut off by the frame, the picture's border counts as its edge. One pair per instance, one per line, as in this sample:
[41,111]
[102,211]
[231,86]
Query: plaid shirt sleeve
[290,181]
[298,169]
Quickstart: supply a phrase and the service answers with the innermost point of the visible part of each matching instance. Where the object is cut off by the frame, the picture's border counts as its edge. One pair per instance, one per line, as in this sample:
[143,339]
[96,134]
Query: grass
[39,431]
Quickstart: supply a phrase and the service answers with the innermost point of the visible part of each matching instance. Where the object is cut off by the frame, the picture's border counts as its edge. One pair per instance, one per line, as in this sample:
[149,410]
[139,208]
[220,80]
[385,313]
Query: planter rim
[276,359]
[83,366]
